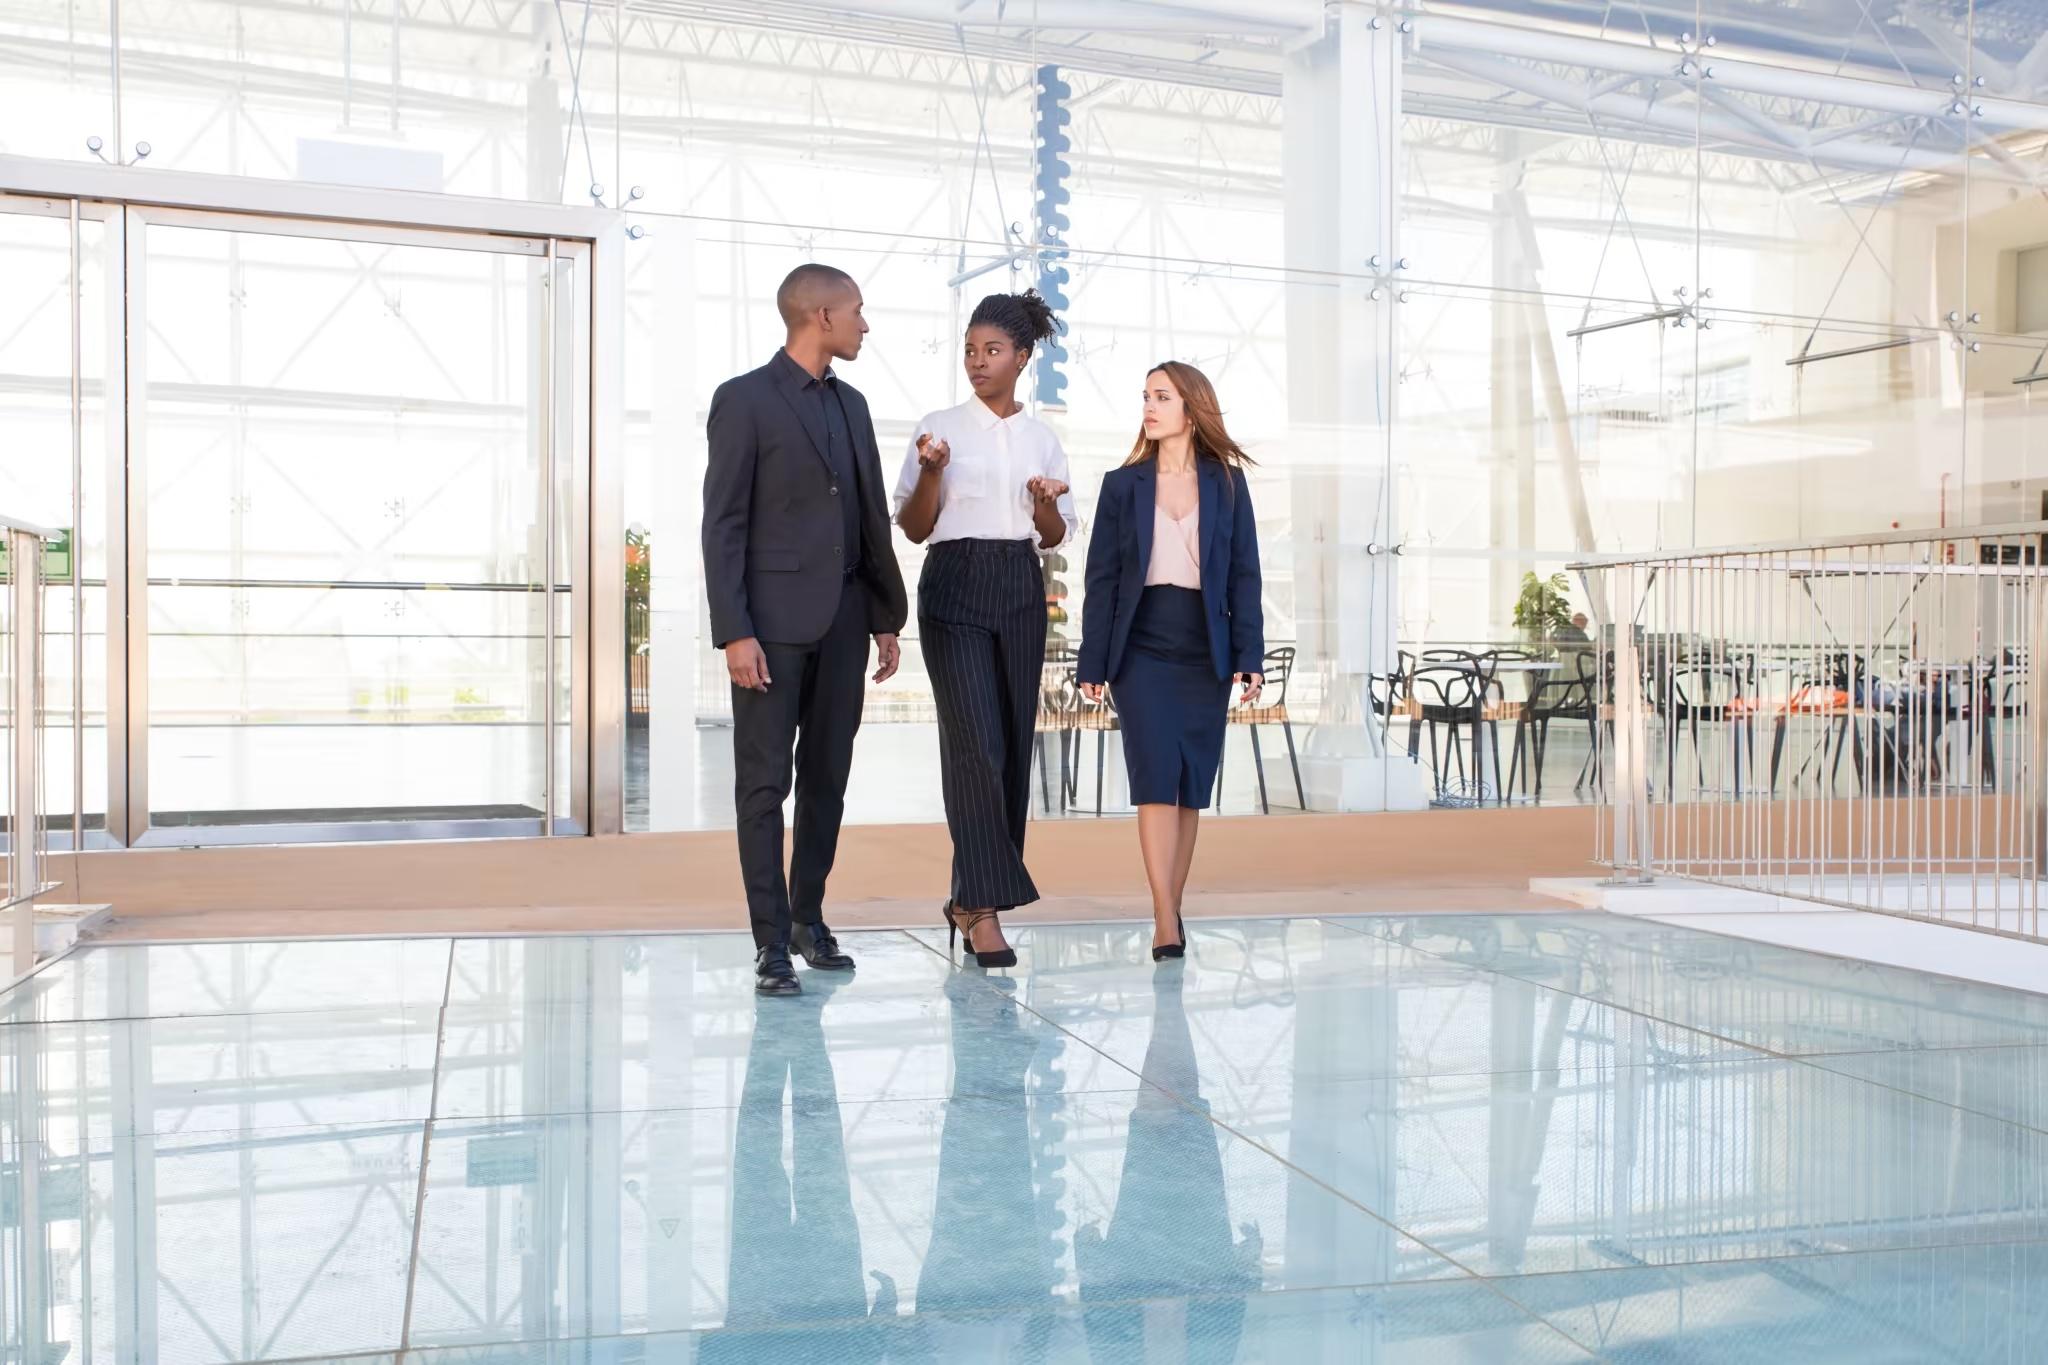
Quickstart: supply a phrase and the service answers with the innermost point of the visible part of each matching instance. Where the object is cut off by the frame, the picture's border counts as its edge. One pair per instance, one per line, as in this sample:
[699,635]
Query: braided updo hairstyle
[1025,318]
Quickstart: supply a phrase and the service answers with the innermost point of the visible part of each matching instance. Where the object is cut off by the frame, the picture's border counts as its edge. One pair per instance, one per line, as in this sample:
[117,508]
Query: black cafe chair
[1271,709]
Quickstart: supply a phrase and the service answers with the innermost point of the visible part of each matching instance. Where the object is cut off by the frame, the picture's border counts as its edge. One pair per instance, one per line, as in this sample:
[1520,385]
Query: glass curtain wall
[1486,290]
[1485,287]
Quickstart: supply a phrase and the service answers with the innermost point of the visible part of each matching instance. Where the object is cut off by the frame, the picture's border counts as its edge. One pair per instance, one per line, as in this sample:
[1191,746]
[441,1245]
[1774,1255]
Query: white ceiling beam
[1613,114]
[1606,55]
[1286,19]
[1967,57]
[2031,72]
[1189,61]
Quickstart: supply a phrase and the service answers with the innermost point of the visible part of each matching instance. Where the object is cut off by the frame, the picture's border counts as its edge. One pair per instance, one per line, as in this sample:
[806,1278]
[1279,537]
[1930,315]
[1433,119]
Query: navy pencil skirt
[1169,701]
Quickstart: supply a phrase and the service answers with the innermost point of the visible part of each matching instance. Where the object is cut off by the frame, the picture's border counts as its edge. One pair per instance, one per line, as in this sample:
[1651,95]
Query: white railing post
[1629,800]
[2034,772]
[24,865]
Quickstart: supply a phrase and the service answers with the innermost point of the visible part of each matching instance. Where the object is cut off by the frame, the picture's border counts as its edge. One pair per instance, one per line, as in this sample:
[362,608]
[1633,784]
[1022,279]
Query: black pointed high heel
[1173,950]
[1001,957]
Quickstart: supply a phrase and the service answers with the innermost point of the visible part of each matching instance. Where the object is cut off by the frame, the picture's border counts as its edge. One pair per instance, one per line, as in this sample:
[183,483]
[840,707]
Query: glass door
[59,362]
[349,500]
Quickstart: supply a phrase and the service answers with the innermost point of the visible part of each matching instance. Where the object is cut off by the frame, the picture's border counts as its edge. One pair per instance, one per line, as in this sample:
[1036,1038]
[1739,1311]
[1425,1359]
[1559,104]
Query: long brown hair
[1211,440]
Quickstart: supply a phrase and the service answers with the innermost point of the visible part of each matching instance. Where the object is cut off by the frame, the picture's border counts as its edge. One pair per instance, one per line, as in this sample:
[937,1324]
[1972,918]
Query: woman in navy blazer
[1172,615]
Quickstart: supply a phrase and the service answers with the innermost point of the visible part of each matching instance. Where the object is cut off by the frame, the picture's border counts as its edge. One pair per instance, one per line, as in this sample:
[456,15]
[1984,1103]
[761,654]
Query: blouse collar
[985,416]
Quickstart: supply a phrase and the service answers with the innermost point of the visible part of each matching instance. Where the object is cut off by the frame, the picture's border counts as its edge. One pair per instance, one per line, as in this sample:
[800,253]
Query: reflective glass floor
[1433,1138]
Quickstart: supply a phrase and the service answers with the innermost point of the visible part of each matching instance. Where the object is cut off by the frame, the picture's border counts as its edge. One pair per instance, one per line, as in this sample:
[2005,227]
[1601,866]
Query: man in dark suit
[800,572]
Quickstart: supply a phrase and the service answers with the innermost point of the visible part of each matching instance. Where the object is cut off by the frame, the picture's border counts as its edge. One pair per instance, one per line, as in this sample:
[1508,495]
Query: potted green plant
[639,581]
[1542,608]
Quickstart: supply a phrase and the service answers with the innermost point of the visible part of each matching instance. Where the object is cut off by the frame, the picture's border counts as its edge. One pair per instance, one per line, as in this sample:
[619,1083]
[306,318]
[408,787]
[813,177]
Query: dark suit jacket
[772,522]
[1120,550]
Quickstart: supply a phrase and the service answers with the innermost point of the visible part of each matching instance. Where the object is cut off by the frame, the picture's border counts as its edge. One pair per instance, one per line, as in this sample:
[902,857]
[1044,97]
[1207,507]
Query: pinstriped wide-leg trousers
[981,616]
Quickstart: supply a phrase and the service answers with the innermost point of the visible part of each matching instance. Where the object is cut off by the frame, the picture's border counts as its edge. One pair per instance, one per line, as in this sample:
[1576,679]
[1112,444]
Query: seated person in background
[1575,650]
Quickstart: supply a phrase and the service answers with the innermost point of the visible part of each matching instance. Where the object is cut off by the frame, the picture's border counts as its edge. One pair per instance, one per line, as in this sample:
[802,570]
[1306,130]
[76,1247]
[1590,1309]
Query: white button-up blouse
[982,493]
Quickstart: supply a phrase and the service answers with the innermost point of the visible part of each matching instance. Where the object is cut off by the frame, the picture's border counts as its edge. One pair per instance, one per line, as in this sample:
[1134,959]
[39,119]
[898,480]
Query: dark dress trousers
[1168,653]
[981,619]
[796,555]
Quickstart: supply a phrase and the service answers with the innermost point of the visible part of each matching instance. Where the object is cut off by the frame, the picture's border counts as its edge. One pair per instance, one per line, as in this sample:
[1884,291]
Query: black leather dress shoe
[774,974]
[817,946]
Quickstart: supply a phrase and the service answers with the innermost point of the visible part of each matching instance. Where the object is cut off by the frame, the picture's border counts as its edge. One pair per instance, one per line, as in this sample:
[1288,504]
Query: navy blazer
[1120,550]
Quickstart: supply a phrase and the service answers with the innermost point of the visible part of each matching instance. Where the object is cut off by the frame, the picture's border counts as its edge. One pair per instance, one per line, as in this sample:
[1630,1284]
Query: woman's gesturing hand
[932,452]
[1254,683]
[1045,492]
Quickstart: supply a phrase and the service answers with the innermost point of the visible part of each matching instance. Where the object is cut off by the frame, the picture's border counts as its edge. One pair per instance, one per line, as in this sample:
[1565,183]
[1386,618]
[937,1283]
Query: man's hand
[932,453]
[889,654]
[1045,492]
[748,664]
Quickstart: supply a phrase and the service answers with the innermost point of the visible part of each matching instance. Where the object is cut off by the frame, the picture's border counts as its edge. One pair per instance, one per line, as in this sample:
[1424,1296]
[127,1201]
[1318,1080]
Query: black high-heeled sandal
[1172,950]
[1001,957]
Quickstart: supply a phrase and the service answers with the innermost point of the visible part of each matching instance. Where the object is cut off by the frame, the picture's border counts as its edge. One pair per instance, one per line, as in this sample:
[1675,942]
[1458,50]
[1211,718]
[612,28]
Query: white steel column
[1341,104]
[603,571]
[1511,513]
[675,596]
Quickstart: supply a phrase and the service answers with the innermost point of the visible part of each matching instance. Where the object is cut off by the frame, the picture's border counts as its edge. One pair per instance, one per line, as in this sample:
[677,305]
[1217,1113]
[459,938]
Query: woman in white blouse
[985,485]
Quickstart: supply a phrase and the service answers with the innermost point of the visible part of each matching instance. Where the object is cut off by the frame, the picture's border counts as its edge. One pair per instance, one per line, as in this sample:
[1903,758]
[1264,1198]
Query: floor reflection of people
[794,1282]
[991,1265]
[1169,1240]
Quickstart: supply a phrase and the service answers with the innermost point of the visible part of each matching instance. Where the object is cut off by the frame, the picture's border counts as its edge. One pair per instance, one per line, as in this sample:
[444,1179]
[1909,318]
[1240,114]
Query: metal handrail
[1893,670]
[29,528]
[1933,535]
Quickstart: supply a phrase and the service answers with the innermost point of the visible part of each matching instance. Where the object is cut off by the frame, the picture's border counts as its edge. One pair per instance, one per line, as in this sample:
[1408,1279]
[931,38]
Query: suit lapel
[804,405]
[1144,507]
[860,431]
[1211,493]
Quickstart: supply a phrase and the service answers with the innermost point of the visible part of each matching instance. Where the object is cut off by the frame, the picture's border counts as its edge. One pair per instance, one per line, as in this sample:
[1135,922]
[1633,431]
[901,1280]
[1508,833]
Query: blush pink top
[1176,550]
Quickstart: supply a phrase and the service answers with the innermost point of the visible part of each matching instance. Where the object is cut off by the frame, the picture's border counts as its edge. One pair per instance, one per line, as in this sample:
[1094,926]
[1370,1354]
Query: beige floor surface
[864,914]
[886,876]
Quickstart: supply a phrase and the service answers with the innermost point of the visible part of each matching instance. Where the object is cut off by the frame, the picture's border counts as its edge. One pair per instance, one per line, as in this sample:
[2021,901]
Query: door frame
[72,834]
[589,332]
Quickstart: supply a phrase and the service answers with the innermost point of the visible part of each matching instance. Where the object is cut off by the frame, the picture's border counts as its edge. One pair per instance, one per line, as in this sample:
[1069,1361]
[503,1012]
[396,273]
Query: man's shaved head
[821,307]
[808,288]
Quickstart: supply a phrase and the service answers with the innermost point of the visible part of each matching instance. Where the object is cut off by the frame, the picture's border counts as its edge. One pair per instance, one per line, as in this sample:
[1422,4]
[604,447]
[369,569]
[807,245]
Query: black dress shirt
[839,455]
